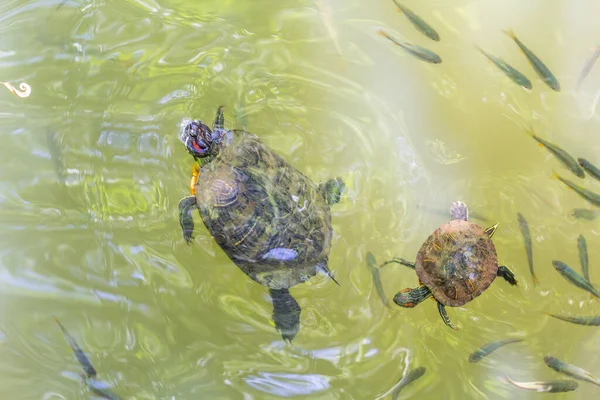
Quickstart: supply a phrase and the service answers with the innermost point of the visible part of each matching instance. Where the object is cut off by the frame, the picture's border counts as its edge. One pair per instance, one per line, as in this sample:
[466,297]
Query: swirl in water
[25,89]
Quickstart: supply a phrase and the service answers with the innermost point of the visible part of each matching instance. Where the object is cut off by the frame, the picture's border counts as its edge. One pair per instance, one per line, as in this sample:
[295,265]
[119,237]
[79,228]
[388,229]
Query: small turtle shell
[457,262]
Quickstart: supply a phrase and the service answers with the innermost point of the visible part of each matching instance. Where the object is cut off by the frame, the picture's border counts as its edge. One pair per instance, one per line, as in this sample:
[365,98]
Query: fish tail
[510,33]
[535,280]
[529,130]
[555,175]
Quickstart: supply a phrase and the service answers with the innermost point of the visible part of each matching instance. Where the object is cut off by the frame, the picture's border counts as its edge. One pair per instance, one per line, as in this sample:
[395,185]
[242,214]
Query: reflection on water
[93,171]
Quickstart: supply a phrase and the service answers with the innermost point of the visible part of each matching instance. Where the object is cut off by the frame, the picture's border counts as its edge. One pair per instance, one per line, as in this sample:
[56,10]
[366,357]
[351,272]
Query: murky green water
[93,171]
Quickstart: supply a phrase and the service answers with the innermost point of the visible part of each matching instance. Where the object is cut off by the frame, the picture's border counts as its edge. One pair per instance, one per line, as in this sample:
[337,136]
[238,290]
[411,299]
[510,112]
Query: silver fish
[372,266]
[570,370]
[418,22]
[588,66]
[537,64]
[419,52]
[546,386]
[410,377]
[487,349]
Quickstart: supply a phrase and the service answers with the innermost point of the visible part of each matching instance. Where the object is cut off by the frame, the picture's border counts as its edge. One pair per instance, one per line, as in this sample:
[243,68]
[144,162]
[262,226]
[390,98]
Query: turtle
[456,263]
[270,219]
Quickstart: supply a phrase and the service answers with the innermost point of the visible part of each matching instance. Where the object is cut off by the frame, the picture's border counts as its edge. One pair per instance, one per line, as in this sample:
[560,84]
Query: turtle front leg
[332,190]
[409,298]
[507,274]
[445,316]
[219,119]
[186,206]
[398,260]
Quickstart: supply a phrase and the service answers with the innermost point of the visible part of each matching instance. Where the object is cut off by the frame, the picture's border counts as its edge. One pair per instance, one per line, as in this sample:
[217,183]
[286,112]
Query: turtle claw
[186,206]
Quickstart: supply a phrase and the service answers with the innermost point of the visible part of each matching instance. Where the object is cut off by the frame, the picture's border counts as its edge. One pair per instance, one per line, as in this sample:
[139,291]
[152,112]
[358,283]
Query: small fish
[589,168]
[537,64]
[516,76]
[407,379]
[584,213]
[565,158]
[89,370]
[418,23]
[372,266]
[570,370]
[590,196]
[547,386]
[98,387]
[528,245]
[583,257]
[587,321]
[56,154]
[420,52]
[573,277]
[324,9]
[588,66]
[487,349]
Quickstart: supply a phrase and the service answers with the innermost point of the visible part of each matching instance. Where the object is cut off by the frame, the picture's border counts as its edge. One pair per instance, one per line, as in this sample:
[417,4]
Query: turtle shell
[268,217]
[457,262]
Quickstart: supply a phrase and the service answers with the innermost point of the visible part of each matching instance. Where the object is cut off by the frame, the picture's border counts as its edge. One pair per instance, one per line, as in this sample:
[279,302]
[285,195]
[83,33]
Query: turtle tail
[286,313]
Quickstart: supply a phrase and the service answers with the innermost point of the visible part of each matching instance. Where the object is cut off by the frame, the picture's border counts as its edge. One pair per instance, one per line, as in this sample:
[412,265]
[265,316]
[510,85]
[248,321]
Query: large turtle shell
[457,262]
[268,217]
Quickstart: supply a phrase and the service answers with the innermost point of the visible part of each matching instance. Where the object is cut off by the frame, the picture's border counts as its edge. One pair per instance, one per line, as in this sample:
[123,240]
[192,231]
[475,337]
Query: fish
[590,168]
[324,9]
[583,257]
[516,76]
[528,245]
[372,266]
[573,277]
[592,320]
[419,52]
[98,387]
[487,349]
[584,213]
[565,158]
[592,197]
[418,23]
[588,66]
[537,64]
[570,370]
[56,154]
[545,386]
[407,379]
[90,371]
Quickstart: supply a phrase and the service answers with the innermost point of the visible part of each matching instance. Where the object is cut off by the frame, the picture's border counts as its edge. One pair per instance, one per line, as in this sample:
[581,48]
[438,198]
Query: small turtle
[271,220]
[456,263]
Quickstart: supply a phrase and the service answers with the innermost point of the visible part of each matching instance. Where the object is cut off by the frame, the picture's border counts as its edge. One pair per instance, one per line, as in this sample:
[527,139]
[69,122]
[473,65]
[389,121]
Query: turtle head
[199,140]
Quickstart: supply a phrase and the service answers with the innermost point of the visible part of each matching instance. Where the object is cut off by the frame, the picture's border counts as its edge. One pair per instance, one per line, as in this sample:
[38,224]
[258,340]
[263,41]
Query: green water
[93,171]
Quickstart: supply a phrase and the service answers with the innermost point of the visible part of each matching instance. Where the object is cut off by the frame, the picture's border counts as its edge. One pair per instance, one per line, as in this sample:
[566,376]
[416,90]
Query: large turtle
[456,263]
[271,220]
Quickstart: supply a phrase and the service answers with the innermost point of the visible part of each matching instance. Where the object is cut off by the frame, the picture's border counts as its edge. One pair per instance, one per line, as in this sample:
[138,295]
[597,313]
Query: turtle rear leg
[186,206]
[286,313]
[219,119]
[507,274]
[409,298]
[332,190]
[445,316]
